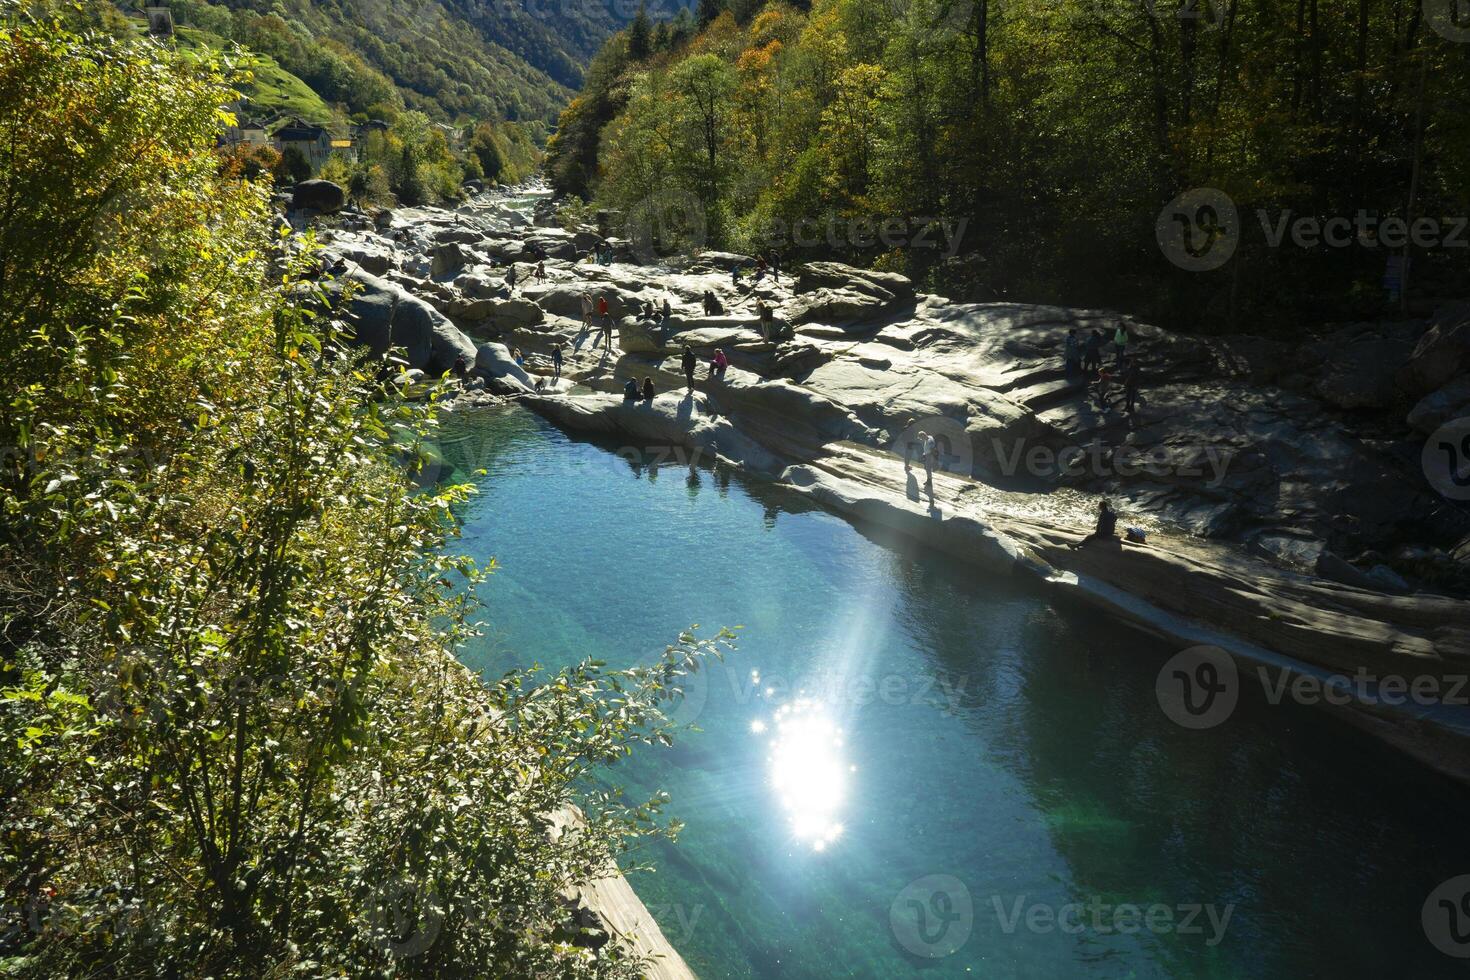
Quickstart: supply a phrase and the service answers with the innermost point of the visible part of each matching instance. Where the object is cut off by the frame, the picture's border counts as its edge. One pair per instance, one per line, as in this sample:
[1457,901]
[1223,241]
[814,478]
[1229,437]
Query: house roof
[297,131]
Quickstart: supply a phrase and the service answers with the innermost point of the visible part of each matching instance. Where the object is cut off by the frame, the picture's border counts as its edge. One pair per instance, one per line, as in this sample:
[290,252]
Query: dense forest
[236,740]
[1027,150]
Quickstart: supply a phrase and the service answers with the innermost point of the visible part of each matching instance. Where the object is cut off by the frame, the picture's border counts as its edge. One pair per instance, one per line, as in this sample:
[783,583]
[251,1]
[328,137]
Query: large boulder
[1442,354]
[319,195]
[384,316]
[1450,402]
[450,257]
[494,361]
[377,258]
[842,308]
[482,282]
[1357,365]
[565,299]
[639,336]
[886,286]
[458,236]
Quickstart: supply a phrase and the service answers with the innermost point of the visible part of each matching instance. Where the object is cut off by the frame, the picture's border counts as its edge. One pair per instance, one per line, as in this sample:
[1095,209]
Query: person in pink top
[718,364]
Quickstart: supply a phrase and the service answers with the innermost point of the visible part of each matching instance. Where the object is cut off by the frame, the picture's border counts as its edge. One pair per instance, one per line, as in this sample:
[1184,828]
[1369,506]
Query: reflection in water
[809,771]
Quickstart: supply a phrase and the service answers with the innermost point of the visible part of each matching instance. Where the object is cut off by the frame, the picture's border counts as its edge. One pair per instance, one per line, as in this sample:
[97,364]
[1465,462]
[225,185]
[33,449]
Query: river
[910,769]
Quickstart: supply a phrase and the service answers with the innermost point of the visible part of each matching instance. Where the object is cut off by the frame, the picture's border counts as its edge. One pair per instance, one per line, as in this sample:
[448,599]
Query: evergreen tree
[709,10]
[640,44]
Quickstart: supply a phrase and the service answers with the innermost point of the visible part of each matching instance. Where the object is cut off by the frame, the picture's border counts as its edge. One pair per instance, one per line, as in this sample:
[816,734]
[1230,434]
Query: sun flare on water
[809,771]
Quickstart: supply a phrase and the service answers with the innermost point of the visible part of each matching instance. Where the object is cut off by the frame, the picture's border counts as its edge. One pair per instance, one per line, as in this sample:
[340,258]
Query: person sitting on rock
[760,267]
[1107,525]
[767,320]
[712,305]
[688,362]
[630,390]
[518,357]
[1104,389]
[718,365]
[648,390]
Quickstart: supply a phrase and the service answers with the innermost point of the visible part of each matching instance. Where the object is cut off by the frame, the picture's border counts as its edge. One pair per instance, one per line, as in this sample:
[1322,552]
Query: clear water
[966,759]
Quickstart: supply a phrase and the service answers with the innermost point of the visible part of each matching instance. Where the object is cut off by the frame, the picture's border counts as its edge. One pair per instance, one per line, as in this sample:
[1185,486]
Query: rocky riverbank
[1289,517]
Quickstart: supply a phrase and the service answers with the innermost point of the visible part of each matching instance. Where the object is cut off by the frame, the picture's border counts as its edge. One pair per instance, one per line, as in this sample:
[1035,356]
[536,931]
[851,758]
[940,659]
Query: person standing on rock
[1092,352]
[775,267]
[587,307]
[630,390]
[1130,387]
[689,363]
[668,311]
[540,271]
[929,455]
[604,313]
[510,278]
[556,358]
[1072,356]
[1121,340]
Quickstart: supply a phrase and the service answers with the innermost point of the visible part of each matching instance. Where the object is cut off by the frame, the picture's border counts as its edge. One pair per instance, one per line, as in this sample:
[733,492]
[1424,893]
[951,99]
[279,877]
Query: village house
[312,141]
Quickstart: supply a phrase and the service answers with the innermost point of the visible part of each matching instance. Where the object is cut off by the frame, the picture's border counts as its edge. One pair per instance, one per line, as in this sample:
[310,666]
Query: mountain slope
[454,59]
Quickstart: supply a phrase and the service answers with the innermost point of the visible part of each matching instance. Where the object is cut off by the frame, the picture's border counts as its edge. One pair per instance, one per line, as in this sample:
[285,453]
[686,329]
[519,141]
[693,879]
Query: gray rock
[494,362]
[319,195]
[383,316]
[1450,402]
[834,275]
[1442,354]
[450,257]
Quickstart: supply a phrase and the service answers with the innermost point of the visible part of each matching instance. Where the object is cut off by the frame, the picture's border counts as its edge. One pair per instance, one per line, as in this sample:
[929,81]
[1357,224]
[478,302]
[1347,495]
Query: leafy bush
[234,740]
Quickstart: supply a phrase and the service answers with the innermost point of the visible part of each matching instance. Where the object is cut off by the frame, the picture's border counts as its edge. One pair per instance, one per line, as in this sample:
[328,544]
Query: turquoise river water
[911,769]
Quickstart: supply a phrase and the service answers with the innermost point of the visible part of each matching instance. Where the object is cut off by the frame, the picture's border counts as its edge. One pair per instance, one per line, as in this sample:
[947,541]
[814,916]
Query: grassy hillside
[273,90]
